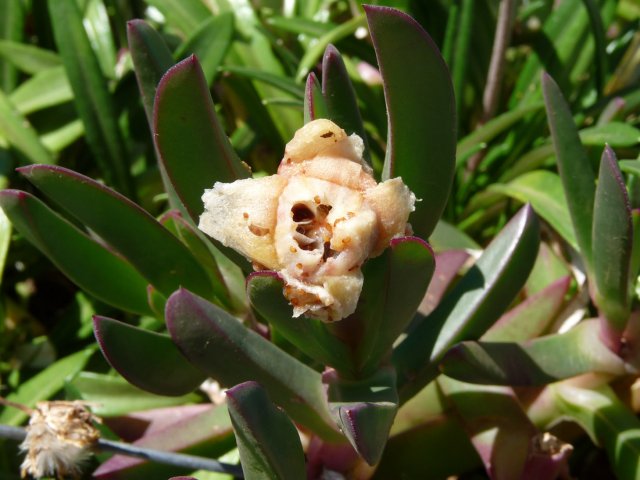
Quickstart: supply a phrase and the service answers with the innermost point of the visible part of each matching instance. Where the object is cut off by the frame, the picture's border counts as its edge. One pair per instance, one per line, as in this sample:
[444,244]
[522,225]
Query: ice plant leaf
[164,261]
[107,276]
[46,89]
[151,59]
[608,422]
[314,105]
[473,305]
[92,99]
[209,337]
[536,362]
[268,441]
[421,133]
[612,243]
[531,317]
[395,284]
[573,164]
[340,97]
[309,335]
[147,359]
[193,147]
[364,410]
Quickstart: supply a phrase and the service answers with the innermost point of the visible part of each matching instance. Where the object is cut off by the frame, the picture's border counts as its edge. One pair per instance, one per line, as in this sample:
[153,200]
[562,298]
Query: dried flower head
[315,222]
[59,439]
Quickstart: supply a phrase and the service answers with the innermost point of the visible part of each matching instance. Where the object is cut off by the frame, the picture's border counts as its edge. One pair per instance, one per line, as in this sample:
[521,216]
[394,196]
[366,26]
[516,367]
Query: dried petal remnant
[319,218]
[59,439]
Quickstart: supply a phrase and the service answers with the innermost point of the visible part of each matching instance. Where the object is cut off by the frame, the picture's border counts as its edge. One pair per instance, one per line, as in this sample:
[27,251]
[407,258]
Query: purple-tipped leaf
[192,145]
[473,305]
[314,105]
[612,243]
[147,359]
[421,137]
[163,260]
[268,441]
[222,347]
[106,275]
[536,362]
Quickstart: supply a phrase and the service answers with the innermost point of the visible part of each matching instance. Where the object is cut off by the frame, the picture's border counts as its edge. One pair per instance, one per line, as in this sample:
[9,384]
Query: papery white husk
[315,222]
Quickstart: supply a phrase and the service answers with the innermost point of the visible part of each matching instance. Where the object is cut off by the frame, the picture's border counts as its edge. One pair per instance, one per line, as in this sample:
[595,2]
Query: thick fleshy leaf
[403,273]
[549,268]
[448,237]
[110,395]
[473,305]
[364,410]
[149,360]
[573,164]
[46,89]
[193,147]
[268,441]
[92,99]
[209,43]
[612,243]
[151,59]
[44,385]
[205,432]
[163,260]
[630,166]
[614,134]
[536,362]
[434,448]
[340,97]
[532,317]
[608,422]
[421,126]
[209,337]
[107,276]
[19,133]
[310,336]
[314,105]
[448,264]
[544,191]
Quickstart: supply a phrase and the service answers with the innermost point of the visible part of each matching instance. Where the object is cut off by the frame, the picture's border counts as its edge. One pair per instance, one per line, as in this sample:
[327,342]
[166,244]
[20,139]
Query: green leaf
[574,167]
[12,13]
[280,82]
[364,410]
[608,422]
[314,105]
[209,337]
[448,237]
[340,97]
[536,362]
[532,317]
[92,99]
[268,442]
[545,193]
[409,61]
[210,43]
[97,24]
[106,276]
[44,385]
[158,255]
[148,360]
[191,143]
[151,59]
[185,15]
[473,305]
[110,395]
[315,51]
[46,89]
[310,336]
[630,166]
[612,243]
[614,134]
[28,58]
[19,133]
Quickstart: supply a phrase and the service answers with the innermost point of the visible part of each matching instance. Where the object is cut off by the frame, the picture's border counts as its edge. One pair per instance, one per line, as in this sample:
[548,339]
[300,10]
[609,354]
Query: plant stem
[190,462]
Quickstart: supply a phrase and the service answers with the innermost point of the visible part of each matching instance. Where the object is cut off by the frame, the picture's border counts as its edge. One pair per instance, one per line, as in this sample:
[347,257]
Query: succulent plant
[312,290]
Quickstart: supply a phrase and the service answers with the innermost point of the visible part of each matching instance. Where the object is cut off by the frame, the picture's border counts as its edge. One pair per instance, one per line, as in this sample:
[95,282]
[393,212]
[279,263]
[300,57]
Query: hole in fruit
[301,213]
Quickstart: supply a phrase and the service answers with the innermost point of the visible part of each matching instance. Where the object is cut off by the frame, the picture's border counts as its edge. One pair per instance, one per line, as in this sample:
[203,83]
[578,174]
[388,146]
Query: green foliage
[418,382]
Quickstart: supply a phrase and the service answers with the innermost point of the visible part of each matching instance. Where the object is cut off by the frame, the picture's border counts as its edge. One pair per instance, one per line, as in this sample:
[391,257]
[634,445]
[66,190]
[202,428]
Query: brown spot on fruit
[328,134]
[258,231]
[245,215]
